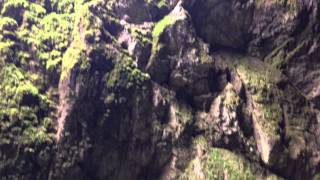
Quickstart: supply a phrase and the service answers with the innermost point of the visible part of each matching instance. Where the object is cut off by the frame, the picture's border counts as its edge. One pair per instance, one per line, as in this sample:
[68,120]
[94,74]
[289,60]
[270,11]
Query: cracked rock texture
[159,89]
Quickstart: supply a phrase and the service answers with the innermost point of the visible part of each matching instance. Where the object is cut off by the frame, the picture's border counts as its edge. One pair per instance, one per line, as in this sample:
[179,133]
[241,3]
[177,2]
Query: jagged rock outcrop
[205,89]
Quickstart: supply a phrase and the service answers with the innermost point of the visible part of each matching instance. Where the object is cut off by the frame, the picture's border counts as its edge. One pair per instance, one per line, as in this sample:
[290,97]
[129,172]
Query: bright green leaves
[158,30]
[87,25]
[126,75]
[14,85]
[36,135]
[54,37]
[7,34]
[20,102]
[158,3]
[161,25]
[24,12]
[86,33]
[63,6]
[34,36]
[11,6]
[7,23]
[44,37]
[27,88]
[75,53]
[219,164]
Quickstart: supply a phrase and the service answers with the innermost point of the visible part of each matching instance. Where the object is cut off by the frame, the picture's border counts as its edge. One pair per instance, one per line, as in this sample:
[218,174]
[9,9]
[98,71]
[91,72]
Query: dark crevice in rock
[122,123]
[231,35]
[304,21]
[282,125]
[218,48]
[184,96]
[217,79]
[245,122]
[29,100]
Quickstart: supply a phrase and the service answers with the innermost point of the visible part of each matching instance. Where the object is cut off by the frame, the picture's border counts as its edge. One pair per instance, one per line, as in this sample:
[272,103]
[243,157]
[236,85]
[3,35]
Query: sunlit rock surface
[159,89]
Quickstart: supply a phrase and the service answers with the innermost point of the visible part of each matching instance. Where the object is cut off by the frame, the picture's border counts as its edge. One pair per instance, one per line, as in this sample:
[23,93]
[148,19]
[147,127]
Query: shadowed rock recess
[159,89]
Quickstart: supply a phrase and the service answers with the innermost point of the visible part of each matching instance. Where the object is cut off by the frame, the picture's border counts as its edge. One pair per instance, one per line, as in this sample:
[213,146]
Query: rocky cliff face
[159,89]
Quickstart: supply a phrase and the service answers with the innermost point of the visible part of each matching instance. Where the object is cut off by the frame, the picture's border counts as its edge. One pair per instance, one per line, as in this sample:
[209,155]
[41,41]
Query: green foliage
[231,99]
[143,35]
[36,135]
[86,31]
[22,127]
[7,32]
[261,83]
[126,75]
[54,36]
[33,39]
[184,113]
[63,6]
[14,5]
[75,53]
[216,164]
[89,23]
[48,35]
[123,78]
[222,164]
[159,3]
[158,30]
[161,26]
[13,87]
[11,78]
[7,23]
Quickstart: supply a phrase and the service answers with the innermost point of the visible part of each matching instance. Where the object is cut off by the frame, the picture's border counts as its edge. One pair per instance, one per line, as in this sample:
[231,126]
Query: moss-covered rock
[78,98]
[217,163]
[262,87]
[25,124]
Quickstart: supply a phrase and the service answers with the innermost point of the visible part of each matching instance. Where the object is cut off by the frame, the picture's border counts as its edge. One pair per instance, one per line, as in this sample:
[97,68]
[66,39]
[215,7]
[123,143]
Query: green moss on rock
[292,5]
[7,23]
[126,75]
[161,25]
[183,113]
[86,33]
[25,123]
[10,6]
[14,87]
[222,164]
[142,35]
[158,3]
[54,35]
[124,78]
[260,81]
[76,53]
[158,30]
[231,98]
[217,164]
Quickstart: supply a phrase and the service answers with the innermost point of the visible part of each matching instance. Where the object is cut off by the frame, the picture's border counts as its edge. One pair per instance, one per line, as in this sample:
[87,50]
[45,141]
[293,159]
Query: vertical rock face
[226,24]
[159,89]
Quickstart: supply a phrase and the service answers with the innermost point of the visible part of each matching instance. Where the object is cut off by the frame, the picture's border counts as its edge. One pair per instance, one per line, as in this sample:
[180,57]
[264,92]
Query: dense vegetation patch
[25,121]
[261,82]
[216,163]
[125,77]
[33,37]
